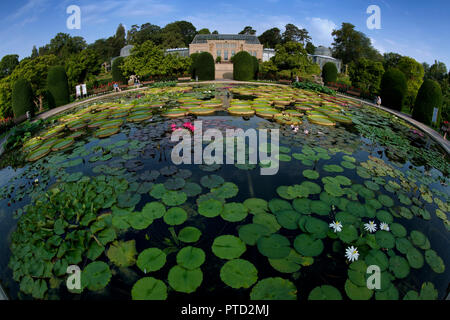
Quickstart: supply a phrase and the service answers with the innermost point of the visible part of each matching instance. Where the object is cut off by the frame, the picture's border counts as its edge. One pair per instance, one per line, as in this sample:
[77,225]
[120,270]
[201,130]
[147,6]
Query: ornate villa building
[226,45]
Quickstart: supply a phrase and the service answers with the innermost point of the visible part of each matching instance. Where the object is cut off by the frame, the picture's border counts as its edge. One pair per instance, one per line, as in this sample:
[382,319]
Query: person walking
[379,101]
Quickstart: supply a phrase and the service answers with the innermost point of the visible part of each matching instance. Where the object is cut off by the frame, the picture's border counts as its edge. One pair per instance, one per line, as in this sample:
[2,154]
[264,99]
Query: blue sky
[415,28]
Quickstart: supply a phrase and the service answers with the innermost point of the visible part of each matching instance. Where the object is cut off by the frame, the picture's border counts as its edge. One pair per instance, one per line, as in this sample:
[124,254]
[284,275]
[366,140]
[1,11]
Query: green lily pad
[234,212]
[183,280]
[386,200]
[385,239]
[228,247]
[227,190]
[398,230]
[128,200]
[318,228]
[332,168]
[189,234]
[321,208]
[306,245]
[428,291]
[151,259]
[154,210]
[384,216]
[276,205]
[290,264]
[256,205]
[403,245]
[288,219]
[377,258]
[418,238]
[96,276]
[348,233]
[149,288]
[302,205]
[174,198]
[122,253]
[268,220]
[390,294]
[357,273]
[212,181]
[311,174]
[250,233]
[192,189]
[434,261]
[175,216]
[355,292]
[158,190]
[415,258]
[174,183]
[274,289]
[190,257]
[274,246]
[399,266]
[210,208]
[325,292]
[239,273]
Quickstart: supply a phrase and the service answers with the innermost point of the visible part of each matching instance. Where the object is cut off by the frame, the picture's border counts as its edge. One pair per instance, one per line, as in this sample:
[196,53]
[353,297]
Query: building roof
[203,38]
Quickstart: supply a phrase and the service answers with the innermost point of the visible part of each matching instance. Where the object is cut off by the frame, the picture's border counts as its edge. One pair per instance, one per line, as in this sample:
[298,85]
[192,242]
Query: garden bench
[184,79]
[354,93]
[147,82]
[285,81]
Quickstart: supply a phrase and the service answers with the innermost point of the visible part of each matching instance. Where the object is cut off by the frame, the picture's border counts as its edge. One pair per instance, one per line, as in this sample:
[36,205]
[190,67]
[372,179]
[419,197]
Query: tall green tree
[204,31]
[79,67]
[8,64]
[414,74]
[366,74]
[184,28]
[248,30]
[270,38]
[437,71]
[293,57]
[34,52]
[310,48]
[391,59]
[293,33]
[147,31]
[63,45]
[351,45]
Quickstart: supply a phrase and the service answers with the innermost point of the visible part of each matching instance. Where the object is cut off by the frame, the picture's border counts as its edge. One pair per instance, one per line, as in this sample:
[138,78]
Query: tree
[22,97]
[329,72]
[310,48]
[119,40]
[293,57]
[8,64]
[437,71]
[58,87]
[248,30]
[366,74]
[204,31]
[268,70]
[293,33]
[243,68]
[116,70]
[79,67]
[63,45]
[34,52]
[184,28]
[204,66]
[414,73]
[215,32]
[391,60]
[147,31]
[393,89]
[270,38]
[351,45]
[172,39]
[428,98]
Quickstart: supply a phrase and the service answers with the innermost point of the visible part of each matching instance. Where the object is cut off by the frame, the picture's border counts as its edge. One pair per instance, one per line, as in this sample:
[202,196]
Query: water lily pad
[385,200]
[325,292]
[234,212]
[332,168]
[149,288]
[318,228]
[227,190]
[122,253]
[274,246]
[96,276]
[183,280]
[190,257]
[306,245]
[250,233]
[151,259]
[385,239]
[288,219]
[290,264]
[418,238]
[212,181]
[175,216]
[189,234]
[415,258]
[192,189]
[210,208]
[274,289]
[321,208]
[390,294]
[268,220]
[228,247]
[256,205]
[378,258]
[174,198]
[128,199]
[154,210]
[399,266]
[158,190]
[434,261]
[355,292]
[348,233]
[174,183]
[239,273]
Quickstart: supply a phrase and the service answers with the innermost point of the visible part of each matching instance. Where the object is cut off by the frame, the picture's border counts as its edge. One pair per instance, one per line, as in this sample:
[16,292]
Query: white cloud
[320,30]
[377,45]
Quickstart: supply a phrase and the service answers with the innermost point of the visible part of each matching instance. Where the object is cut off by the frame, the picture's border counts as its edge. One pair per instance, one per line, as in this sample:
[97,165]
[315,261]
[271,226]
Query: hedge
[116,71]
[57,87]
[22,98]
[193,57]
[255,67]
[243,66]
[204,66]
[329,72]
[393,89]
[428,98]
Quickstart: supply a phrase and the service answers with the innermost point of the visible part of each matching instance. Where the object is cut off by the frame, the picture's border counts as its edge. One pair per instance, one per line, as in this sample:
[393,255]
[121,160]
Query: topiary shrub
[193,57]
[428,98]
[255,67]
[116,71]
[393,89]
[243,66]
[57,87]
[22,98]
[329,72]
[204,66]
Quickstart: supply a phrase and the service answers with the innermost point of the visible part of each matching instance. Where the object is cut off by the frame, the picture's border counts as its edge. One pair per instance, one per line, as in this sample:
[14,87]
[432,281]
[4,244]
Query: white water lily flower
[371,226]
[351,253]
[336,226]
[384,226]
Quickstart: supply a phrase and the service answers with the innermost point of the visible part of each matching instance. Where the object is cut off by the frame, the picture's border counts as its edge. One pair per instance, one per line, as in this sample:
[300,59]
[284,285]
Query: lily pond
[355,187]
